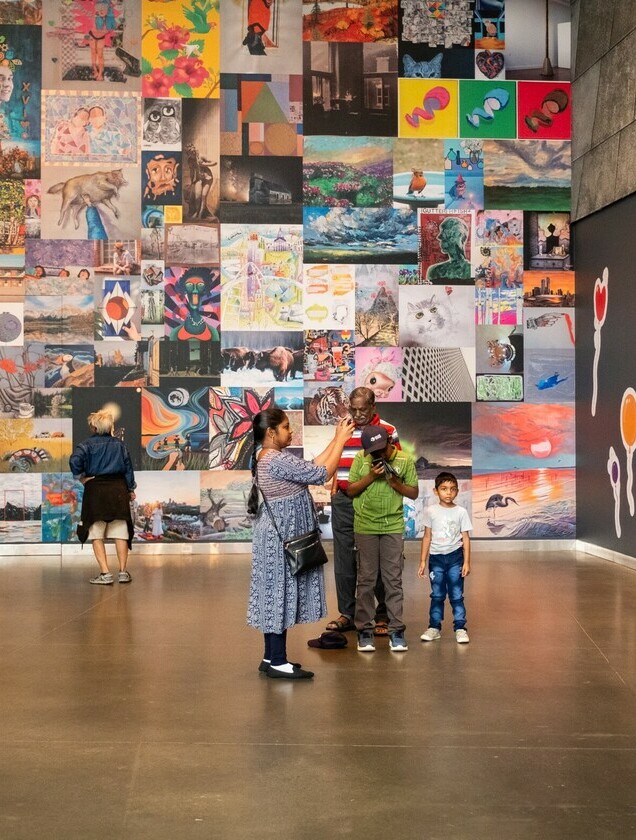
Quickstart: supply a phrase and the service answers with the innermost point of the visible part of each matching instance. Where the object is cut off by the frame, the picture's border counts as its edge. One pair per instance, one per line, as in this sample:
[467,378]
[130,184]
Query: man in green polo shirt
[380,476]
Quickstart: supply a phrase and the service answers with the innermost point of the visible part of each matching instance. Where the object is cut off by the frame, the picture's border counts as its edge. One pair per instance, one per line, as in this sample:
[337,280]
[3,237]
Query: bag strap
[267,507]
[269,510]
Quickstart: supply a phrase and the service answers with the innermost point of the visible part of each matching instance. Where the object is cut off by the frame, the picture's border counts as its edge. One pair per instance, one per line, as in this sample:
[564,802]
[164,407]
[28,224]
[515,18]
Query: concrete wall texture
[604,104]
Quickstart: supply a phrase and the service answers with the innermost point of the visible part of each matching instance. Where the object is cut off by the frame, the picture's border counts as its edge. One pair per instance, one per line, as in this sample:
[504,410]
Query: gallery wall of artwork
[207,208]
[606,405]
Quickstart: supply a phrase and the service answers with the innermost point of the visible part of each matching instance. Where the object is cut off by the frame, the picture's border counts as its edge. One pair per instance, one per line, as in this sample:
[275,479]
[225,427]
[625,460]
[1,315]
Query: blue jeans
[445,573]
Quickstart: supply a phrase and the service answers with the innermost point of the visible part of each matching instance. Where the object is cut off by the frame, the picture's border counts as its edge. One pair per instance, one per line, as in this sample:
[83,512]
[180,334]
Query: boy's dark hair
[445,476]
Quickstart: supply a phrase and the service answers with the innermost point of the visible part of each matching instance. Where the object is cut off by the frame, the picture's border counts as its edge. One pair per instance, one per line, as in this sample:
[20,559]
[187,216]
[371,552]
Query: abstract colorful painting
[428,108]
[544,110]
[231,413]
[174,429]
[262,115]
[119,316]
[487,109]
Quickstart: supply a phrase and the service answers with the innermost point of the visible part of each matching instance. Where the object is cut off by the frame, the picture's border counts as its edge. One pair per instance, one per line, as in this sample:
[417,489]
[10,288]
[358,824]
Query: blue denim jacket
[102,455]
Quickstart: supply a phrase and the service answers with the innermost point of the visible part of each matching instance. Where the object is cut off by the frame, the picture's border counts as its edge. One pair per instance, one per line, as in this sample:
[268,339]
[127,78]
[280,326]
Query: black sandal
[341,625]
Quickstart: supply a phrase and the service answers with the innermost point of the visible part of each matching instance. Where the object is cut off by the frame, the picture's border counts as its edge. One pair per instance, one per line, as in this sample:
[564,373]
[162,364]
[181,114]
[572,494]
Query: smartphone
[377,462]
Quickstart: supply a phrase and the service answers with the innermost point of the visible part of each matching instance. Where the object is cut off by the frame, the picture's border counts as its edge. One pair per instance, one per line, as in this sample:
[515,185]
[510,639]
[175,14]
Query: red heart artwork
[490,63]
[600,301]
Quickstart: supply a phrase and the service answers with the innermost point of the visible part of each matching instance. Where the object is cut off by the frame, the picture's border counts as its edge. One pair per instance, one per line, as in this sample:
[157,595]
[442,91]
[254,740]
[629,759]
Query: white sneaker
[461,636]
[103,578]
[431,635]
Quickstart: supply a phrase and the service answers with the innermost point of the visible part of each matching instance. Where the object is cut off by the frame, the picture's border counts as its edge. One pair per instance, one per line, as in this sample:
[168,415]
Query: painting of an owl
[162,122]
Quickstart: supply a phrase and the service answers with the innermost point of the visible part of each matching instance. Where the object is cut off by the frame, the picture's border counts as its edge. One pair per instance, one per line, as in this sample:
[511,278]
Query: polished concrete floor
[137,711]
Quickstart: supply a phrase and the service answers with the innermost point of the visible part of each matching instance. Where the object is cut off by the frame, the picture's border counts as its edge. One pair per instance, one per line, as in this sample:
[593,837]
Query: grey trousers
[382,553]
[345,563]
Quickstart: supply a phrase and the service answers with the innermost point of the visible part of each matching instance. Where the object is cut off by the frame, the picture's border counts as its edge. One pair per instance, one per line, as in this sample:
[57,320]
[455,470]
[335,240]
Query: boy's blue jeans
[445,574]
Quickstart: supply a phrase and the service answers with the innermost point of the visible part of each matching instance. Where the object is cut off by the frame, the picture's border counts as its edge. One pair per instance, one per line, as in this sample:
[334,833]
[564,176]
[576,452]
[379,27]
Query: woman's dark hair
[269,418]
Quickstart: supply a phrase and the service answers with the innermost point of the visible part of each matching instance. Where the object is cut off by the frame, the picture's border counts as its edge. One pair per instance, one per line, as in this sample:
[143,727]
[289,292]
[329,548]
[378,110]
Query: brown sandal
[341,625]
[381,628]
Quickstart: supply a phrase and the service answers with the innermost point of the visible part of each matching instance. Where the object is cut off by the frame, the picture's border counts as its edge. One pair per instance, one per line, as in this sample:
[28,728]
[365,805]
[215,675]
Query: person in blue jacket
[103,464]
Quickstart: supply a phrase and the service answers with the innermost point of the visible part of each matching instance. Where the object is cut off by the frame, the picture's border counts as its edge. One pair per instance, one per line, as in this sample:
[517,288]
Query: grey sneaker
[431,635]
[365,641]
[124,577]
[397,642]
[104,578]
[461,636]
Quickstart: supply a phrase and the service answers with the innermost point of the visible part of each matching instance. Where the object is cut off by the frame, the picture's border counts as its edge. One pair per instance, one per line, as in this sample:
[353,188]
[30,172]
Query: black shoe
[265,665]
[296,674]
[132,65]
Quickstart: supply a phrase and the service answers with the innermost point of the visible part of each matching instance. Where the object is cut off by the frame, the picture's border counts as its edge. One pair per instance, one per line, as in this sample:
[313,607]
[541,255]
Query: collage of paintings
[211,206]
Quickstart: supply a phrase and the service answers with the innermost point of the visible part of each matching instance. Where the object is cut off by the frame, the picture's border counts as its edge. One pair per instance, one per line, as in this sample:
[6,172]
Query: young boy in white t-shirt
[446,548]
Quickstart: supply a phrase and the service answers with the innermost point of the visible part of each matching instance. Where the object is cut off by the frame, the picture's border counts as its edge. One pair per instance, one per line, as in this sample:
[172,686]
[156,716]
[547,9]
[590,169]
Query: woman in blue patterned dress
[278,600]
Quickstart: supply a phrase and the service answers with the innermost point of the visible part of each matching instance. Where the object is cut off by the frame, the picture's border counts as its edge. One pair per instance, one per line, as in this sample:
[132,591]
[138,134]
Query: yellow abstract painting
[427,108]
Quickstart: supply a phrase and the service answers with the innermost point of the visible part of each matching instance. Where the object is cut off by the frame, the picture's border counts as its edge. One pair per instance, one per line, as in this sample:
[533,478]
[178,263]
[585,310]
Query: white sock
[288,668]
[269,661]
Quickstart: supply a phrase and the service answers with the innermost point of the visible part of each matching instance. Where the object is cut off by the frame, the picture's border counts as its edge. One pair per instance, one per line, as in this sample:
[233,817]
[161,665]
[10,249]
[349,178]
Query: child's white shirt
[446,524]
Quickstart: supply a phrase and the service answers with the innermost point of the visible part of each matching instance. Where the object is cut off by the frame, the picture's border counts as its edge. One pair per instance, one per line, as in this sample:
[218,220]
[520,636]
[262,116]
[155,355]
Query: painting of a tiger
[326,407]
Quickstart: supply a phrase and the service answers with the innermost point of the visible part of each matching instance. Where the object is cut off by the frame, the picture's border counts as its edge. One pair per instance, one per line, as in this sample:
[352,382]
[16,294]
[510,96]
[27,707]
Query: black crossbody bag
[304,552]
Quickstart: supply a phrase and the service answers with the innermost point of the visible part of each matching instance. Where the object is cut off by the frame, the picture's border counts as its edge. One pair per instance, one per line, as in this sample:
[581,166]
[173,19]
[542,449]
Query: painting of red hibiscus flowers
[180,49]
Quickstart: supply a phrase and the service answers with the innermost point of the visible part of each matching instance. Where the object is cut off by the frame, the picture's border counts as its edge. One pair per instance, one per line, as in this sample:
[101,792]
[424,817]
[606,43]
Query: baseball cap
[373,438]
[332,640]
